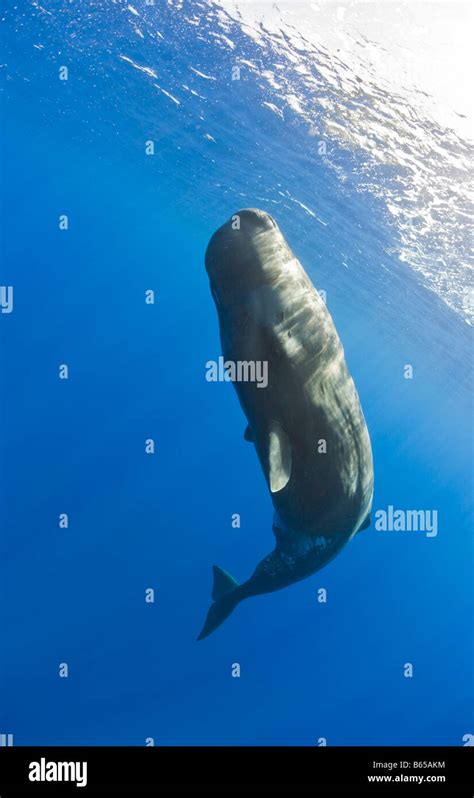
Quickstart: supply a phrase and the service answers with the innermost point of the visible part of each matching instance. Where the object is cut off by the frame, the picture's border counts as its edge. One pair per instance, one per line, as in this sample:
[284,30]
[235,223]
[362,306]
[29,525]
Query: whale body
[306,425]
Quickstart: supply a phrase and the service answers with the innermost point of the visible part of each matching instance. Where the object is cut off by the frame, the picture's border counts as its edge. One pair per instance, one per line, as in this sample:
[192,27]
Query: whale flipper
[279,458]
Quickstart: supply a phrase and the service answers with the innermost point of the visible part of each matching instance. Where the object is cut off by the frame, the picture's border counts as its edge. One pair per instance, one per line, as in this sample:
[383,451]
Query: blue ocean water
[282,133]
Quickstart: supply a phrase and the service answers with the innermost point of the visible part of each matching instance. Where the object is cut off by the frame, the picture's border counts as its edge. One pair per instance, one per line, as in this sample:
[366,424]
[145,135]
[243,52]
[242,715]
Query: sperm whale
[306,425]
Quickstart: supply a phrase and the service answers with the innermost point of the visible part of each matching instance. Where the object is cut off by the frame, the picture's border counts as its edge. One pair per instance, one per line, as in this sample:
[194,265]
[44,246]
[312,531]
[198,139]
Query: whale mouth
[215,295]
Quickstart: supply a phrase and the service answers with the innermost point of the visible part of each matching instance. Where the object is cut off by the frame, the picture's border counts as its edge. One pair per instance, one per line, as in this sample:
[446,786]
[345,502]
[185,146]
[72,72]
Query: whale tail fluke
[225,597]
[223,583]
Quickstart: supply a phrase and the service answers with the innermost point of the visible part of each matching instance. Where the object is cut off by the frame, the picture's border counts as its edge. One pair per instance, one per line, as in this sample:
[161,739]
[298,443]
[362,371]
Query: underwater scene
[330,146]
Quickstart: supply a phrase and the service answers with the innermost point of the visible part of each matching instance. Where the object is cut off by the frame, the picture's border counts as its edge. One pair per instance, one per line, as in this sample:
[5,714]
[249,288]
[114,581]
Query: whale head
[244,254]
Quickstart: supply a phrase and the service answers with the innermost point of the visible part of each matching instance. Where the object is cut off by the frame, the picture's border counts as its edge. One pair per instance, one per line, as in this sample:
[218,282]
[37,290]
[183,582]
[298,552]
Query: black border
[222,770]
